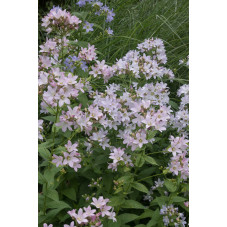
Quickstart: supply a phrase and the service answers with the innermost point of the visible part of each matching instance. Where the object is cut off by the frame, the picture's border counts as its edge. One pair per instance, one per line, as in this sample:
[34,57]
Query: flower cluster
[118,156]
[73,62]
[181,119]
[58,87]
[179,161]
[139,111]
[100,68]
[184,61]
[156,46]
[50,53]
[158,184]
[93,217]
[99,8]
[40,129]
[137,63]
[171,216]
[70,158]
[87,54]
[60,20]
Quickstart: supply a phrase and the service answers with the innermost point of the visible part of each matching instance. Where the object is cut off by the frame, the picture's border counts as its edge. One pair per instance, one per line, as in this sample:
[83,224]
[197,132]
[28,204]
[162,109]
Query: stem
[56,119]
[45,198]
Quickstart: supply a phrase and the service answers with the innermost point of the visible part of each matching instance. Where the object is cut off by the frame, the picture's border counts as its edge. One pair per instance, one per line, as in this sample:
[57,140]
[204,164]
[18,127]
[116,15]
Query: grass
[137,20]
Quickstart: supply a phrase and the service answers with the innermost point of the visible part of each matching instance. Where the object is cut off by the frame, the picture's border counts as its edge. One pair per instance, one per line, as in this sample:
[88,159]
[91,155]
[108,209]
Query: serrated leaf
[171,187]
[140,187]
[126,217]
[132,204]
[150,160]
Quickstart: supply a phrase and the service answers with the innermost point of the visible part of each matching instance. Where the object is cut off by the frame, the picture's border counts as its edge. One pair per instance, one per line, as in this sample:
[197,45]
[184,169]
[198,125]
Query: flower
[80,217]
[57,160]
[109,31]
[40,129]
[71,224]
[116,155]
[88,26]
[98,202]
[45,225]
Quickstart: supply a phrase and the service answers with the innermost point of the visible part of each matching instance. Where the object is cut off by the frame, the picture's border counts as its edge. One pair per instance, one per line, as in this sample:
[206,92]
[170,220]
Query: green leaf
[151,134]
[139,160]
[49,175]
[146,214]
[125,218]
[83,99]
[171,187]
[58,205]
[50,110]
[103,158]
[41,178]
[160,200]
[116,201]
[132,204]
[49,118]
[173,105]
[49,143]
[81,15]
[155,219]
[44,153]
[49,216]
[60,150]
[140,187]
[150,160]
[178,199]
[125,179]
[70,193]
[82,44]
[52,194]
